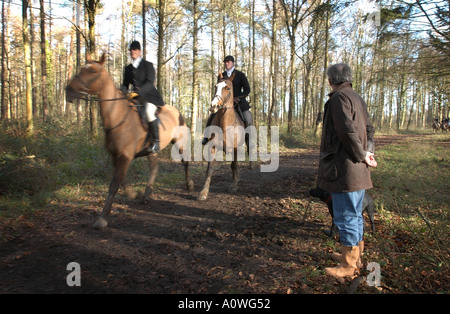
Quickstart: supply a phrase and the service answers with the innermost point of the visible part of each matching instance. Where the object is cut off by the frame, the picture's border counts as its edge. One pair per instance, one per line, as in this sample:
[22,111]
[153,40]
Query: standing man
[241,89]
[141,74]
[346,154]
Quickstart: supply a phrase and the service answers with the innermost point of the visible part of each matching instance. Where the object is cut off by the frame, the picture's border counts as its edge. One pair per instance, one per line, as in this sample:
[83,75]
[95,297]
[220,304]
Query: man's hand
[370,160]
[132,95]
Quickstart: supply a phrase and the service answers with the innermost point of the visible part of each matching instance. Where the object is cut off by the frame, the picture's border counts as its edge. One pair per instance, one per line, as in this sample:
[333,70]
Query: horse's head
[87,81]
[224,94]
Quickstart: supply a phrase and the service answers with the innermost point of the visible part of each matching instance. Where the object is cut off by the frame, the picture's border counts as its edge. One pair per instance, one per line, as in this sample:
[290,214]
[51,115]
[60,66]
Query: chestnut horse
[225,116]
[125,136]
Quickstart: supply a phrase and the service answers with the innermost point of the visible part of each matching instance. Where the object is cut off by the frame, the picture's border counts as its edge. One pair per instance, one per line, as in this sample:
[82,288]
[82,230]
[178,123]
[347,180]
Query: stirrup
[154,147]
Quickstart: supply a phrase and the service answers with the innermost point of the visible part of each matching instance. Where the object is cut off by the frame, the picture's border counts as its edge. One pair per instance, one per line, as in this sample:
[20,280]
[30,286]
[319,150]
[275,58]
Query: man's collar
[229,72]
[136,62]
[343,85]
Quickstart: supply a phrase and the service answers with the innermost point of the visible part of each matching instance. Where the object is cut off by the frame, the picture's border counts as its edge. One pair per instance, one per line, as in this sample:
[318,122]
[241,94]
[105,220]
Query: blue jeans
[347,210]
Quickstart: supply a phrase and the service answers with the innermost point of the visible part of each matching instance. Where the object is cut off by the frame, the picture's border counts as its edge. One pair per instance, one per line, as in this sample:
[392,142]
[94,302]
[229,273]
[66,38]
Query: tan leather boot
[350,255]
[338,256]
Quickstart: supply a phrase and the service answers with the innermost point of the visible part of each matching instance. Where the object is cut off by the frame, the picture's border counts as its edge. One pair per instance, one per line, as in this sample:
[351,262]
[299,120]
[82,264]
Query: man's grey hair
[339,73]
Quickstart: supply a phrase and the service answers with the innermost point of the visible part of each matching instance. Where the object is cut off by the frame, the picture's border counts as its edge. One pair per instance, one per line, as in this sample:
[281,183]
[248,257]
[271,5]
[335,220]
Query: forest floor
[265,238]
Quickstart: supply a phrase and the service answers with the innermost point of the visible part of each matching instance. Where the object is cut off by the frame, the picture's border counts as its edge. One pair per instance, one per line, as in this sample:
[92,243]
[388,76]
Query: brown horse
[225,116]
[436,126]
[125,136]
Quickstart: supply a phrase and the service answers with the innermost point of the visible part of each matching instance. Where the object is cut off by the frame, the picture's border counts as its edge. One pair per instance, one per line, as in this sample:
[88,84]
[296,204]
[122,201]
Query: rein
[121,122]
[224,101]
[90,97]
[225,108]
[86,85]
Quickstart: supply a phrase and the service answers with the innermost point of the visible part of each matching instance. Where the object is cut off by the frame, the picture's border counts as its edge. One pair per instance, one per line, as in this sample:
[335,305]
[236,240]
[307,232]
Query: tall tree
[144,33]
[91,7]
[78,58]
[195,66]
[439,33]
[43,62]
[273,62]
[28,69]
[295,13]
[327,9]
[252,62]
[33,61]
[4,100]
[160,50]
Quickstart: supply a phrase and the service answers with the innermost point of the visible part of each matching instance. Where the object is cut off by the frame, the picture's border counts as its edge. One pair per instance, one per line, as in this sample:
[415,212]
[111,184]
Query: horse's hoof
[133,195]
[190,186]
[202,196]
[101,223]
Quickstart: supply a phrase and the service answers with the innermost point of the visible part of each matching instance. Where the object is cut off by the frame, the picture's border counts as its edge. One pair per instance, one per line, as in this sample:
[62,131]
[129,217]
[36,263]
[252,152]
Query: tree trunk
[91,8]
[160,52]
[294,15]
[212,65]
[273,63]
[27,54]
[33,63]
[144,37]
[78,52]
[253,89]
[43,62]
[195,69]
[291,84]
[325,62]
[4,100]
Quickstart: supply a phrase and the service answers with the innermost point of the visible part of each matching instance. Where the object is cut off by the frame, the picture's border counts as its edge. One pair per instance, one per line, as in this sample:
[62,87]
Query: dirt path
[266,238]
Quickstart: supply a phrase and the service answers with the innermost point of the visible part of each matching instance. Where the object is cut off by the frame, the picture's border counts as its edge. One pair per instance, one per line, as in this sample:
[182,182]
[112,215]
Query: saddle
[139,103]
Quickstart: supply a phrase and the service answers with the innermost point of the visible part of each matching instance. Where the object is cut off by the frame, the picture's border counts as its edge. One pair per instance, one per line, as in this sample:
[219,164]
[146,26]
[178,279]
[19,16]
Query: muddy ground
[266,238]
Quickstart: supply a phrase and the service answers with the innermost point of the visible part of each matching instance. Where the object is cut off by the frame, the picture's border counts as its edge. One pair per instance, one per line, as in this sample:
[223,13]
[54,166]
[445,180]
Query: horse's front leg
[189,182]
[153,159]
[235,171]
[121,165]
[204,193]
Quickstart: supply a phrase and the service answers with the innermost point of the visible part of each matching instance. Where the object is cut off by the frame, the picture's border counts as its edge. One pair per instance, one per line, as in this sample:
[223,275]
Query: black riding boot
[247,136]
[154,133]
[208,123]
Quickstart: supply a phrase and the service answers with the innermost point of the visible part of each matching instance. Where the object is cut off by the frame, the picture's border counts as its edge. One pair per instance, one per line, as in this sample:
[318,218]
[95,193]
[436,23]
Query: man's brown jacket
[347,135]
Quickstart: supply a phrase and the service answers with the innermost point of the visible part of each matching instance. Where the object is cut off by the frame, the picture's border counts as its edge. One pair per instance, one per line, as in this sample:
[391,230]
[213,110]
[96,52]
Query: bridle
[224,101]
[89,97]
[87,84]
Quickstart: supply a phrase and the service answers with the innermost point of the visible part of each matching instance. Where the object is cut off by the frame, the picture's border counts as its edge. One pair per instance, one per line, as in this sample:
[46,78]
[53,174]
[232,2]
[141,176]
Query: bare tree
[28,74]
[273,61]
[294,12]
[43,62]
[91,7]
[195,66]
[4,100]
[160,52]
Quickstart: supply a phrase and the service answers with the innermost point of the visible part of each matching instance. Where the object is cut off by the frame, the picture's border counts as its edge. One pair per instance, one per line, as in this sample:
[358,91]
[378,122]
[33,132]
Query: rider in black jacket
[141,74]
[241,89]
